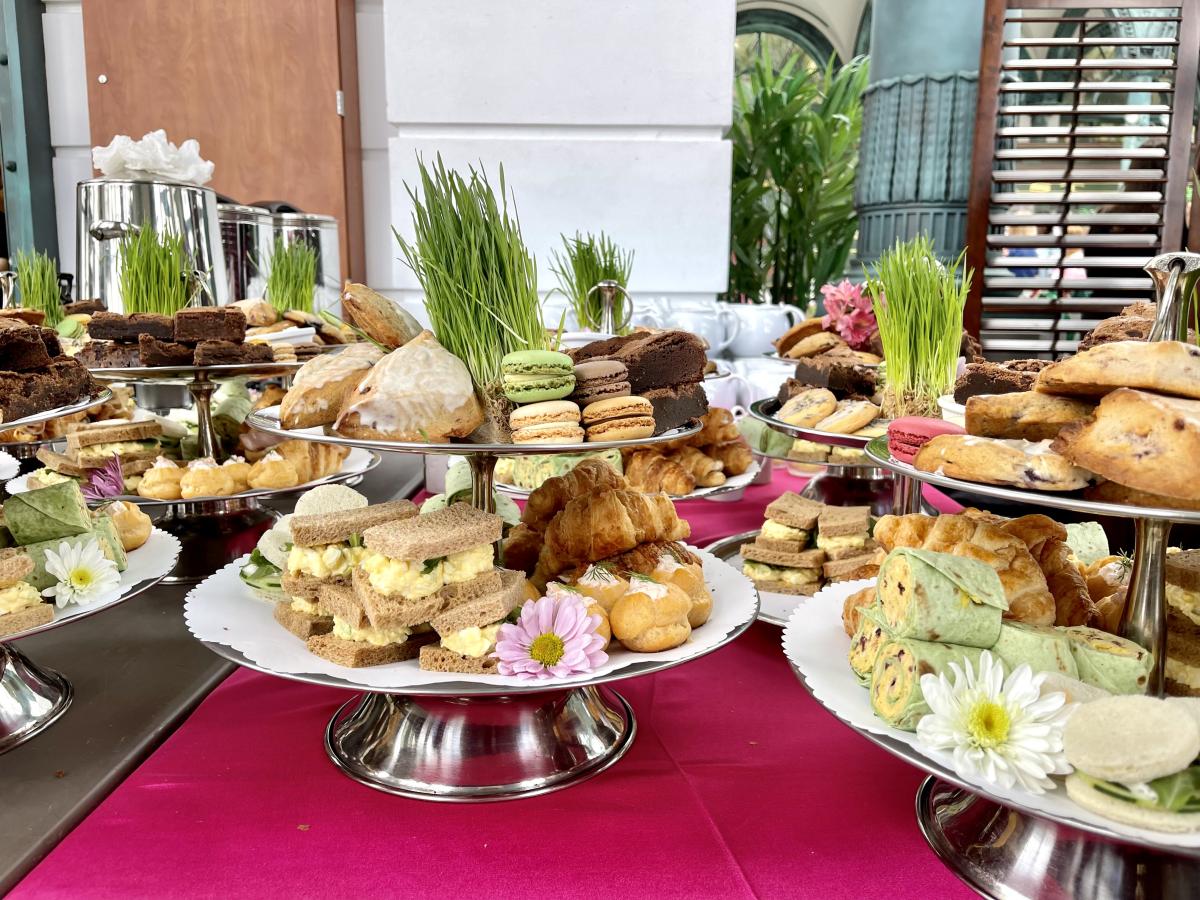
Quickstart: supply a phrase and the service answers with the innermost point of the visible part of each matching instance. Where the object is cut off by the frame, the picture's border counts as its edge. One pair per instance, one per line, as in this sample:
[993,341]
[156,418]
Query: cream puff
[133,526]
[651,616]
[272,471]
[601,585]
[690,578]
[239,471]
[161,481]
[204,478]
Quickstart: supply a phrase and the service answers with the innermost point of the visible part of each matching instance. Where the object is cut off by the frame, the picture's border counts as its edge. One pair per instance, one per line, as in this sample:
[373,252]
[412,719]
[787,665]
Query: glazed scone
[1022,464]
[1141,440]
[1168,367]
[1026,415]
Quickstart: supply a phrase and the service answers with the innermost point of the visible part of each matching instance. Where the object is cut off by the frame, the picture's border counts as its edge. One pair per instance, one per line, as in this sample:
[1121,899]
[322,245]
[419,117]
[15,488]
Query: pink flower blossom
[105,482]
[849,313]
[554,637]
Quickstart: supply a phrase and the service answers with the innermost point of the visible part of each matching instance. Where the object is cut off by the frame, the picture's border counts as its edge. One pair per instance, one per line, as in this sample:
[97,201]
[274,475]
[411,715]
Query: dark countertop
[137,674]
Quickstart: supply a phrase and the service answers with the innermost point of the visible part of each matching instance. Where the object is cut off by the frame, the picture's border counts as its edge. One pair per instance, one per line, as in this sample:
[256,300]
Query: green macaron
[531,376]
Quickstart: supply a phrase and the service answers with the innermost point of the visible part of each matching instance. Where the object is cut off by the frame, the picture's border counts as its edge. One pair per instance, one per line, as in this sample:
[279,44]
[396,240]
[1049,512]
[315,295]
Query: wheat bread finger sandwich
[21,605]
[469,628]
[325,549]
[92,447]
[790,522]
[781,572]
[353,642]
[411,569]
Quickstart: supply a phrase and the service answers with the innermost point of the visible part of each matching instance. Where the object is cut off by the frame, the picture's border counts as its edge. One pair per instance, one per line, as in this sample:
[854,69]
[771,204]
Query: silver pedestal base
[212,534]
[31,699]
[1003,853]
[472,749]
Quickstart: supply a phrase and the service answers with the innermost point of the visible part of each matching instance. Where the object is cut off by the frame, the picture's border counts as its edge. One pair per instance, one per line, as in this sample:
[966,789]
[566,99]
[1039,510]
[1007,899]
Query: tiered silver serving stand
[33,698]
[24,450]
[846,484]
[1001,849]
[215,531]
[464,741]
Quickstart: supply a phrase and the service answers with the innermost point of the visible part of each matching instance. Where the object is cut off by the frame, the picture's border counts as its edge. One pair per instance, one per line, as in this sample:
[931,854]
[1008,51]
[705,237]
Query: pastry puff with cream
[273,471]
[161,481]
[651,616]
[204,478]
[689,577]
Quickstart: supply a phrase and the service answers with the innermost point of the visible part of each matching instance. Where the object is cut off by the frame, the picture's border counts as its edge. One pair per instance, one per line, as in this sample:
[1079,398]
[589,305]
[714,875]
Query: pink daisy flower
[554,637]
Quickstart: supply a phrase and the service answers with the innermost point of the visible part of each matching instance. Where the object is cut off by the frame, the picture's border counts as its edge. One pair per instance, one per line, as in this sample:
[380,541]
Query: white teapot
[760,325]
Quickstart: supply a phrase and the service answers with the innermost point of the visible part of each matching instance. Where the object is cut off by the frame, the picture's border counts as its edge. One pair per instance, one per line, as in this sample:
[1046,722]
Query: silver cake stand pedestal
[468,742]
[213,531]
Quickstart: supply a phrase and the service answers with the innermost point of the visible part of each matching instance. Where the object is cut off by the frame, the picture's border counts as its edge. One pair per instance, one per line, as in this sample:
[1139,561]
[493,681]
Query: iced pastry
[927,595]
[133,526]
[161,481]
[273,471]
[204,478]
[896,695]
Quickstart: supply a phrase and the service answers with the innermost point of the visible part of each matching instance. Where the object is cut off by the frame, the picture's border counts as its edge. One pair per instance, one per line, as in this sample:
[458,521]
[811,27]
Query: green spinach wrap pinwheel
[896,695]
[930,596]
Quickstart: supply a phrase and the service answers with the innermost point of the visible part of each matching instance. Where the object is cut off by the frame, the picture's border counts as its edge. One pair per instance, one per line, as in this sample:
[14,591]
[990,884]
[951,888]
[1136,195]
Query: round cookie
[807,408]
[531,376]
[1131,738]
[849,416]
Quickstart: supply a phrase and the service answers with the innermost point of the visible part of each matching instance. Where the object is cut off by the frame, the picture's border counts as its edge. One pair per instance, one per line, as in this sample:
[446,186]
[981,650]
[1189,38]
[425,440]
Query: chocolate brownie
[50,338]
[847,381]
[210,323]
[222,353]
[62,382]
[991,378]
[22,348]
[109,355]
[154,352]
[970,348]
[23,314]
[108,326]
[674,406]
[85,307]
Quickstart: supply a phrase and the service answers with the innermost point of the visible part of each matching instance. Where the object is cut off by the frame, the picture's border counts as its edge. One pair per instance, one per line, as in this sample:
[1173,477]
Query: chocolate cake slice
[154,352]
[50,338]
[87,307]
[847,381]
[223,353]
[110,326]
[676,405]
[210,323]
[22,348]
[63,381]
[992,378]
[109,355]
[654,359]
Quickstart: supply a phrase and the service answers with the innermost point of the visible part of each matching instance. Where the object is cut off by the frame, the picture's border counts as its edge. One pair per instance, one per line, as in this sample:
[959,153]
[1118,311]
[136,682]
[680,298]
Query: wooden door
[256,82]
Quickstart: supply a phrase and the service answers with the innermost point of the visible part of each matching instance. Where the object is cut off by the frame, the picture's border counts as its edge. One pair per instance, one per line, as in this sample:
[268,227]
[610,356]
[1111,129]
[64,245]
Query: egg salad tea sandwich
[21,605]
[325,549]
[353,641]
[411,569]
[467,629]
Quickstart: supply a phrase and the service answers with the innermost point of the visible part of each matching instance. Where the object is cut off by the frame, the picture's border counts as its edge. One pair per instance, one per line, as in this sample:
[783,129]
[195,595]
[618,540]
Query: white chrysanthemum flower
[1001,730]
[82,571]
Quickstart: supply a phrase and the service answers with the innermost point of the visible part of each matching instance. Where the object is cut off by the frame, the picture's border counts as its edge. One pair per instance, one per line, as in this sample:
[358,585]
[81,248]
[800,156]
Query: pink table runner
[737,785]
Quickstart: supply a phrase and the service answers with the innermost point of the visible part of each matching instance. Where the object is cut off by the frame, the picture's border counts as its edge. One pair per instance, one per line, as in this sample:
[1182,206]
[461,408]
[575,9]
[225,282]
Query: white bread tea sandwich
[1135,762]
[325,549]
[1141,440]
[21,605]
[412,569]
[468,628]
[420,392]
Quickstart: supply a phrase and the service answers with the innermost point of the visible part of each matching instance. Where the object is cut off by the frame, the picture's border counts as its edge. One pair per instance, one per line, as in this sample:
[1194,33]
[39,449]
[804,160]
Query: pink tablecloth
[738,785]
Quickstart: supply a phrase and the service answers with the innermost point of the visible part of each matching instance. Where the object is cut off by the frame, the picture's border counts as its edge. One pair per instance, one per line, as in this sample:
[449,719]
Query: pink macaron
[908,434]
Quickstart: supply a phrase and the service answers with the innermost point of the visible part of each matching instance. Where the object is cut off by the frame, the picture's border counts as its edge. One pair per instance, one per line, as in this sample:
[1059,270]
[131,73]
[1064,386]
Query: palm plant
[795,153]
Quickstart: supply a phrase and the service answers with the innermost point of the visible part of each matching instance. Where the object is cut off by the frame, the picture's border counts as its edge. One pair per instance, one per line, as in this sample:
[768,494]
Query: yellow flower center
[988,723]
[547,648]
[81,578]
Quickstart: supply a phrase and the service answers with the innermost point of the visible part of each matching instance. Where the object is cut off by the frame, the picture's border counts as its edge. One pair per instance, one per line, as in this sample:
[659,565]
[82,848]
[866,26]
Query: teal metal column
[25,129]
[918,123]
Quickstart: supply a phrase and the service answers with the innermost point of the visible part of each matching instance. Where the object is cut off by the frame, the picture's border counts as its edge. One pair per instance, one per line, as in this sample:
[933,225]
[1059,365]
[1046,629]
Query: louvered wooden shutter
[1082,155]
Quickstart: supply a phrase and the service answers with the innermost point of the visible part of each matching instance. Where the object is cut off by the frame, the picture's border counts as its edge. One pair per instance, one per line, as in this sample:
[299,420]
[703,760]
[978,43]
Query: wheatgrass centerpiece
[291,276]
[918,304]
[479,278]
[37,284]
[156,273]
[587,260]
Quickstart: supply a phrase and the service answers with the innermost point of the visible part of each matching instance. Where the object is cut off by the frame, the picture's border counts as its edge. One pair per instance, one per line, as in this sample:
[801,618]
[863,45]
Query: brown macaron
[619,419]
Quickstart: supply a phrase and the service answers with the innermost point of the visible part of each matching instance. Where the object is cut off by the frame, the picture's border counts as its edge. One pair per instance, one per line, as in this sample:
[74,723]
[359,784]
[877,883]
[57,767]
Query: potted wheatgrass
[156,273]
[918,304]
[587,261]
[37,284]
[292,276]
[480,280]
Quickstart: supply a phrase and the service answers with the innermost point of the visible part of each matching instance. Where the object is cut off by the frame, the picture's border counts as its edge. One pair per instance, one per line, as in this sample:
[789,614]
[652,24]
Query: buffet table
[738,784]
